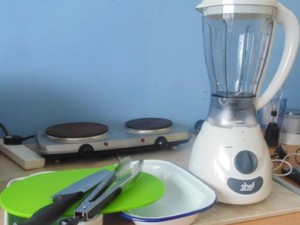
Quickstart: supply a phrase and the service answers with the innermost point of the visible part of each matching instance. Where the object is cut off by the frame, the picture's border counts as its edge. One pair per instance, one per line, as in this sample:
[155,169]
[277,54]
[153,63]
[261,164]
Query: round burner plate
[149,125]
[77,131]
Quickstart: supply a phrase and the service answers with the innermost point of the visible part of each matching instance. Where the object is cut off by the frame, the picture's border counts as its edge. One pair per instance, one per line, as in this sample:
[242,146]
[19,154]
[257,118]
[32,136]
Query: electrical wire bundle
[13,139]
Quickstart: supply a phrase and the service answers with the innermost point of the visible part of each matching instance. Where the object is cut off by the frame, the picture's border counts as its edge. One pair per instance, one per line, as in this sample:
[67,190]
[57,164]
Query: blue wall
[106,61]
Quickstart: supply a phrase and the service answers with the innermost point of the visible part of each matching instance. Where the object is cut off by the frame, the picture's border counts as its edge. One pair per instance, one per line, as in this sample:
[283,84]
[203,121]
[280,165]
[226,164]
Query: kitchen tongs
[104,193]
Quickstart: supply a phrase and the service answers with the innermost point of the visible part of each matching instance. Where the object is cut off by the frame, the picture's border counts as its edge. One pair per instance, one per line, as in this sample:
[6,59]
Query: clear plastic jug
[238,38]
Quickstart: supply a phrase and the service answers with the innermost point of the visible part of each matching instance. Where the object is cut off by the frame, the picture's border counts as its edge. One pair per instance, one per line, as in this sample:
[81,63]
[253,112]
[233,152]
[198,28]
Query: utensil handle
[103,202]
[50,213]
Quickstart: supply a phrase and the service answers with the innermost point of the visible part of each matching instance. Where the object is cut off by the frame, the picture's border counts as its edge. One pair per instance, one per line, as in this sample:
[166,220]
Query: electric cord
[284,161]
[281,163]
[3,128]
[13,139]
[296,158]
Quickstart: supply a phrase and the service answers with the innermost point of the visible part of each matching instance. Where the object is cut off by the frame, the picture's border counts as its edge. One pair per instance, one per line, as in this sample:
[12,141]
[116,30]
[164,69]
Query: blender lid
[208,3]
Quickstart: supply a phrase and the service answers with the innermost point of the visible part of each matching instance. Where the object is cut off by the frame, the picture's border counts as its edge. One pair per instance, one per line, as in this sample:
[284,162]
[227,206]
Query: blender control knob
[245,162]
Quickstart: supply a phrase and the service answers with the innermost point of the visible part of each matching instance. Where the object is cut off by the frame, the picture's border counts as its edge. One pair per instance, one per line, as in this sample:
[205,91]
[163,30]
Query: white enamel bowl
[185,197]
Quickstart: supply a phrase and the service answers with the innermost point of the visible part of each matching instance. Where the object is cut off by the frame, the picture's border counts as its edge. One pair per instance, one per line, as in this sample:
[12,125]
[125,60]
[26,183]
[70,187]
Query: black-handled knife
[65,198]
[50,213]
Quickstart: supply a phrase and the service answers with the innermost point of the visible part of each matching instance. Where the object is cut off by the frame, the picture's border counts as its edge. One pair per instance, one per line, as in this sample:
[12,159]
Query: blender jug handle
[291,27]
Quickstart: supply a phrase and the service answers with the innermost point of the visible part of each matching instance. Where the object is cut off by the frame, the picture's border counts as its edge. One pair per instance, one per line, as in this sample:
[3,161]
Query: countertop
[281,207]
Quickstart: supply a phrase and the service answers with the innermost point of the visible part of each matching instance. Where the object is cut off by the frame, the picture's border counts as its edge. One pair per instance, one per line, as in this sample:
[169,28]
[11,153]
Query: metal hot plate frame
[117,138]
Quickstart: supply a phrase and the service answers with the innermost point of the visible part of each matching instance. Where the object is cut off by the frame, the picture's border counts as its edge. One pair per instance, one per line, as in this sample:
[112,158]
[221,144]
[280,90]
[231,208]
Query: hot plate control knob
[245,162]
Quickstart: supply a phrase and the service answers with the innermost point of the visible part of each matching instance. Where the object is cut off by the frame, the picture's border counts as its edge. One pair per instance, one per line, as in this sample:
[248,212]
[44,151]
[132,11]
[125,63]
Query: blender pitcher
[230,153]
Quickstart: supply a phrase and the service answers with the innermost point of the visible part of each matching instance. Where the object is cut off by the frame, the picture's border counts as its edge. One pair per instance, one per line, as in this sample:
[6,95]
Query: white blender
[230,153]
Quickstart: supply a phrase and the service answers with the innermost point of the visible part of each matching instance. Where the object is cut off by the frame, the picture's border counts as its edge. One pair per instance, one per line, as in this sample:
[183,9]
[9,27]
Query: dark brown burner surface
[76,130]
[148,124]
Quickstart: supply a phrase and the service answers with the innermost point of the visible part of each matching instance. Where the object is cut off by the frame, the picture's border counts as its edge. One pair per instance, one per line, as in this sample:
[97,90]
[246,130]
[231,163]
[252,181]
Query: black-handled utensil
[50,213]
[64,199]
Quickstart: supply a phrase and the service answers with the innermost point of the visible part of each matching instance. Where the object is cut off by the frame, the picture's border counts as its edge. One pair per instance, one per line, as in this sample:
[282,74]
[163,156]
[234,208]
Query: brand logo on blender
[247,187]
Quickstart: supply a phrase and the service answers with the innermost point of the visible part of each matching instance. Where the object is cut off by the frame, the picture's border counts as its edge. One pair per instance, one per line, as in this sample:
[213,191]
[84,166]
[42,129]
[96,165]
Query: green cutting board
[24,197]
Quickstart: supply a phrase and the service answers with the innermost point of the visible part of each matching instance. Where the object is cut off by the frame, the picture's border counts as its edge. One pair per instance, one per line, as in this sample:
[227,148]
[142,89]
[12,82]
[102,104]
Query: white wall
[106,61]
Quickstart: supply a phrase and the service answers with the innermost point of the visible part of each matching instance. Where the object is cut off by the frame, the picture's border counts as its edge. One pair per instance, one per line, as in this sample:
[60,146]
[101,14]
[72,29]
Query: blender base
[234,161]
